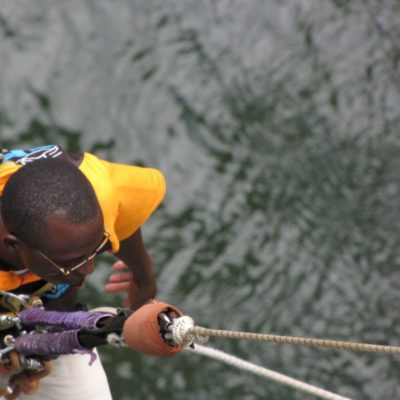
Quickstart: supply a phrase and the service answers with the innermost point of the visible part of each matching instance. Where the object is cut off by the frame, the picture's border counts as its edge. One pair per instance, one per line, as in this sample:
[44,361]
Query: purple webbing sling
[44,344]
[70,320]
[61,342]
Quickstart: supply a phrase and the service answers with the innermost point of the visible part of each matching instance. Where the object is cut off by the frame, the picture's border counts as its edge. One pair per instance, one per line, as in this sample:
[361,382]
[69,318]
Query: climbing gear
[30,337]
[160,329]
[33,336]
[18,302]
[24,373]
[146,330]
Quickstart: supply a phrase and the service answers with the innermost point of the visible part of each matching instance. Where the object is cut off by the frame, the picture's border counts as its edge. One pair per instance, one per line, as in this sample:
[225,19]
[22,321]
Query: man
[58,211]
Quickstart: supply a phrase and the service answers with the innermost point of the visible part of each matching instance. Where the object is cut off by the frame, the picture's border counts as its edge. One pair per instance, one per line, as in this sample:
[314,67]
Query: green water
[276,124]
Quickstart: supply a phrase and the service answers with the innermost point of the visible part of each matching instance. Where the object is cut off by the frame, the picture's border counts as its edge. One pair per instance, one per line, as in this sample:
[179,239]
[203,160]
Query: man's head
[49,206]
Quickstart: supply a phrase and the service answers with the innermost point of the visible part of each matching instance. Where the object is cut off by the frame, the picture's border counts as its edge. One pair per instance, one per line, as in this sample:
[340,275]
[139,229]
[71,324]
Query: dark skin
[73,243]
[67,244]
[140,281]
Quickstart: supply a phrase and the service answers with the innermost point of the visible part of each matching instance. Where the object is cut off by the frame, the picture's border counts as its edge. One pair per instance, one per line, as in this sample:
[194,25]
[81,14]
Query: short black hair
[45,188]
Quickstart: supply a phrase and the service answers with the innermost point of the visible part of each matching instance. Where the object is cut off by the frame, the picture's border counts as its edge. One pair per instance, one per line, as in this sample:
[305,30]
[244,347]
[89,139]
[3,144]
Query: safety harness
[30,337]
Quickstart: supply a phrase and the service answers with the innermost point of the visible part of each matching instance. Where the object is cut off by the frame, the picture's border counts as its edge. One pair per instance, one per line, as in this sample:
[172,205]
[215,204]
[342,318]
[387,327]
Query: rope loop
[181,330]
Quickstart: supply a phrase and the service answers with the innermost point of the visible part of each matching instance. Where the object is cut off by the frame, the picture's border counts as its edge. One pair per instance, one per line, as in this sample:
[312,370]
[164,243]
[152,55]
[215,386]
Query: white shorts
[73,378]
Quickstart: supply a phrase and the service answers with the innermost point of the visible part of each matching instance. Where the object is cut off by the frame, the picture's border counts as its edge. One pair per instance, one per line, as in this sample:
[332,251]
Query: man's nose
[86,268]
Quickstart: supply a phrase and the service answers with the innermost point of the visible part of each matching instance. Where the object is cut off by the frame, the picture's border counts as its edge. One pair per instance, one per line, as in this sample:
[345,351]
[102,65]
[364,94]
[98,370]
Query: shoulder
[123,176]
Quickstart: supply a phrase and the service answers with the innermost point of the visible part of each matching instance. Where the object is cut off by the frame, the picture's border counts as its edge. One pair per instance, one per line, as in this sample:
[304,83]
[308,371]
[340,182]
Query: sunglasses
[67,271]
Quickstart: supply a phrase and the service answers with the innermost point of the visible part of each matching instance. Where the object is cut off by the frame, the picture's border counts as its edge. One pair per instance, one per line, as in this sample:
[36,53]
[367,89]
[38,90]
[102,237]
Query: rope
[185,332]
[264,372]
[299,341]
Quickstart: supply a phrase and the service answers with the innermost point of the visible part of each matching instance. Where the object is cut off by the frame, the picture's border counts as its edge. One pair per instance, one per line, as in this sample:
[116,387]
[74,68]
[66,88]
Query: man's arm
[140,281]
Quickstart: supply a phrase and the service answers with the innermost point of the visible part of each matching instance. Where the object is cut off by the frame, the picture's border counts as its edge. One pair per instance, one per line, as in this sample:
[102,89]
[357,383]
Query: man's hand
[122,282]
[135,272]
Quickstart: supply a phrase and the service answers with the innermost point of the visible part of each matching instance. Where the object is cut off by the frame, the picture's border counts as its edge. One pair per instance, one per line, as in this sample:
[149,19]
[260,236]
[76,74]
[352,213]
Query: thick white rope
[264,372]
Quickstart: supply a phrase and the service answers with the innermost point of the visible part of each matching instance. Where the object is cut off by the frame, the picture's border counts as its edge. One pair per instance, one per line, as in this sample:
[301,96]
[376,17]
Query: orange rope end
[142,331]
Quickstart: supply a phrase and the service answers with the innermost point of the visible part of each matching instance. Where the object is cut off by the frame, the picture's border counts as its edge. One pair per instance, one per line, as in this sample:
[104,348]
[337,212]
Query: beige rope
[299,341]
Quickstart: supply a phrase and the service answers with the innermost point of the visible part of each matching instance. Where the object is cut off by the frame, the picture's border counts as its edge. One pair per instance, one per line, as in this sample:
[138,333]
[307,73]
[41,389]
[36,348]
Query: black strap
[97,337]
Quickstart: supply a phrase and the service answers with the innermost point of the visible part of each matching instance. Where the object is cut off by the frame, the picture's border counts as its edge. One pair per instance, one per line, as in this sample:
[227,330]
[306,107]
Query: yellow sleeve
[6,170]
[128,195]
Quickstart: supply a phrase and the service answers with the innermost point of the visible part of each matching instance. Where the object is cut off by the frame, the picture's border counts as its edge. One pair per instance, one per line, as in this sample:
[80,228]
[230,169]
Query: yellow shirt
[127,195]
